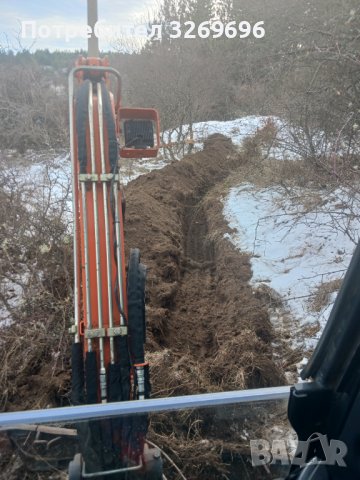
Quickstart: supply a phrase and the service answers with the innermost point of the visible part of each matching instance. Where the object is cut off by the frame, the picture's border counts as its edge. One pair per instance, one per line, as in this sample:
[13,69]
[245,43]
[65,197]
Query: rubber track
[136,306]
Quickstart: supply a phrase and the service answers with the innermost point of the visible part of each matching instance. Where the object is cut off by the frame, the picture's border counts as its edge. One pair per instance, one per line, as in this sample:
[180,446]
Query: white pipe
[86,254]
[118,250]
[106,216]
[75,207]
[97,249]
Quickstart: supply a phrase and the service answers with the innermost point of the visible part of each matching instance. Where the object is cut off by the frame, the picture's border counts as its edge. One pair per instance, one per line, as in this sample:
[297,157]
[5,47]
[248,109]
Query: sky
[70,15]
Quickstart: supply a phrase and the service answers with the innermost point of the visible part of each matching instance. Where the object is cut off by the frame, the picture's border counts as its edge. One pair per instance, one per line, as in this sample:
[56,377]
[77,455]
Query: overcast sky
[124,13]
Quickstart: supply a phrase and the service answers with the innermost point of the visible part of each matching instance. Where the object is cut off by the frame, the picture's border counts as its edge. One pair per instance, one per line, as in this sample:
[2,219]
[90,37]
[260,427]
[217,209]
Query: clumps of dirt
[200,304]
[243,362]
[174,375]
[207,330]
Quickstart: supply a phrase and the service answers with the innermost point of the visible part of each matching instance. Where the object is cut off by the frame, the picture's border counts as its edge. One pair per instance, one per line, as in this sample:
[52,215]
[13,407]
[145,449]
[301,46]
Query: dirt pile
[207,330]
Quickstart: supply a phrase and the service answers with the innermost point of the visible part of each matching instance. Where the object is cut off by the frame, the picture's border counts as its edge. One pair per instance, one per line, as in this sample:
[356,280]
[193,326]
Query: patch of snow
[294,249]
[240,129]
[130,169]
[13,291]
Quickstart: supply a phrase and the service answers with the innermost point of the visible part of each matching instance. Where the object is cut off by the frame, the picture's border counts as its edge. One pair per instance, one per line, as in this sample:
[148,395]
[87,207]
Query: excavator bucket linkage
[108,361]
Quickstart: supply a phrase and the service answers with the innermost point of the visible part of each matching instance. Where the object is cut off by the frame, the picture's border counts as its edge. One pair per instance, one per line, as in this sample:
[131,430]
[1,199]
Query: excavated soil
[208,331]
[204,320]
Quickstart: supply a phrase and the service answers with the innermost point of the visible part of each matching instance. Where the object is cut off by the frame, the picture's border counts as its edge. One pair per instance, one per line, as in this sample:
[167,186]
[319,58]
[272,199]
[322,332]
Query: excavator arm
[108,358]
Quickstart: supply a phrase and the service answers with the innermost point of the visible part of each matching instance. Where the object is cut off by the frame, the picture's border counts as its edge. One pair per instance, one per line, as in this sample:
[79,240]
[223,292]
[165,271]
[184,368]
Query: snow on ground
[294,248]
[14,293]
[134,168]
[239,129]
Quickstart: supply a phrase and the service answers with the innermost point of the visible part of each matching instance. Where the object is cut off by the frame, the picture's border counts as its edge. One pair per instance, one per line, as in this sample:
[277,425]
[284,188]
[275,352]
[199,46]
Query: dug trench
[203,315]
[207,330]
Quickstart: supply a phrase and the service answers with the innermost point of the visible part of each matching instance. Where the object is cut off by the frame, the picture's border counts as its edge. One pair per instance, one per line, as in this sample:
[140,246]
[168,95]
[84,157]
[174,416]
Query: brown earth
[207,329]
[204,320]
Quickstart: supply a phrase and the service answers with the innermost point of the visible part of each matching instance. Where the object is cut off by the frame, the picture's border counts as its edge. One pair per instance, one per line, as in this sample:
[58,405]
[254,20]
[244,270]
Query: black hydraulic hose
[91,376]
[125,366]
[111,127]
[77,374]
[142,273]
[114,383]
[147,381]
[93,448]
[82,107]
[136,310]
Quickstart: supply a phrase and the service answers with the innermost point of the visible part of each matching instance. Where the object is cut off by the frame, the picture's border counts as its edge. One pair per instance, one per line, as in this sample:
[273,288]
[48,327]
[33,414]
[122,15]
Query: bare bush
[33,107]
[35,243]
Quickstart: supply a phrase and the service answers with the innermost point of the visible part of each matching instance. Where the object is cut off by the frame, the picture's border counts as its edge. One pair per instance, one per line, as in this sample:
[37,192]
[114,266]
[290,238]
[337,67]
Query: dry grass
[322,295]
[34,359]
[255,146]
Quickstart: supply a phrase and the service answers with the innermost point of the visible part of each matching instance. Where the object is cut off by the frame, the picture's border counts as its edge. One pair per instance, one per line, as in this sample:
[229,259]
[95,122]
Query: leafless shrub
[258,146]
[36,252]
[33,107]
